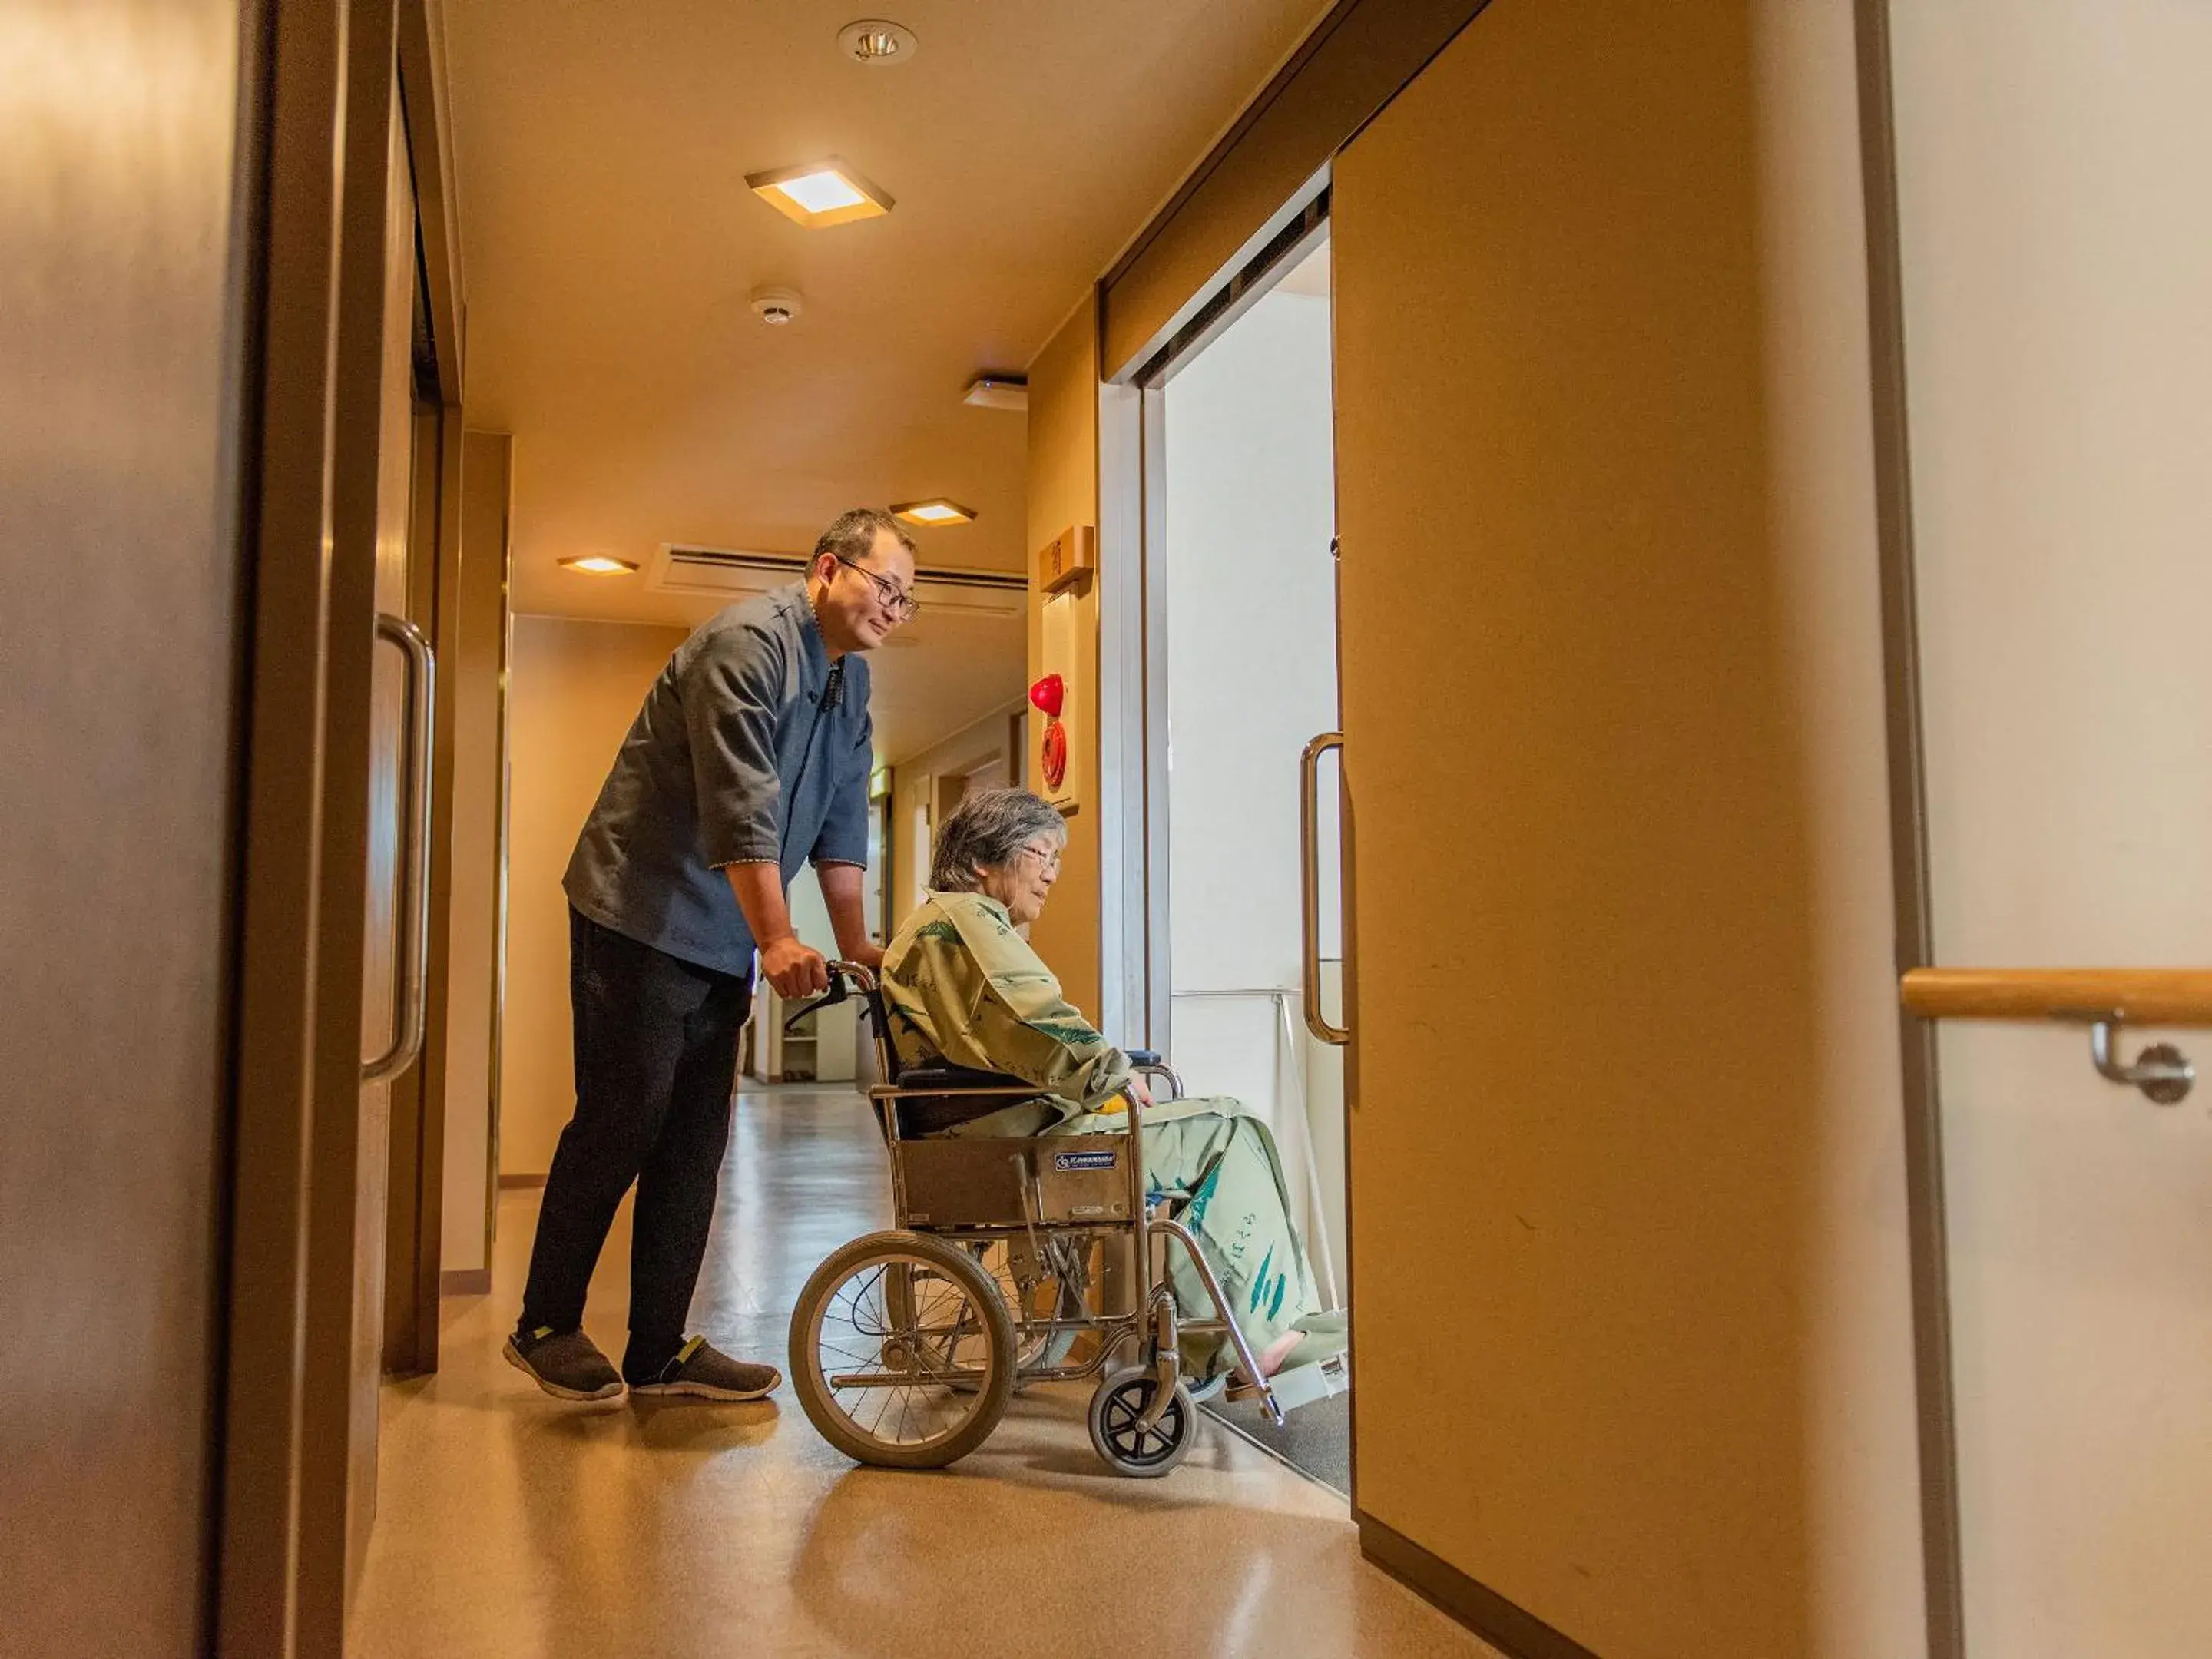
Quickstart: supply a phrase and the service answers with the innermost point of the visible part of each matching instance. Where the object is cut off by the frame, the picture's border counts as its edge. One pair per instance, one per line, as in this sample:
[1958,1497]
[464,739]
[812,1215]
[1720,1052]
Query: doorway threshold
[1315,1439]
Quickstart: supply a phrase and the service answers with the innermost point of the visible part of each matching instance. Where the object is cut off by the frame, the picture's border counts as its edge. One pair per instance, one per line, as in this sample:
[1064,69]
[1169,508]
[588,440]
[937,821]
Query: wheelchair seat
[925,1114]
[941,1074]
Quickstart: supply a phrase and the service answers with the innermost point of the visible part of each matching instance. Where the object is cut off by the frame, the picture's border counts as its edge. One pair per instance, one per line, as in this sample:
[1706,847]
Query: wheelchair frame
[1051,1193]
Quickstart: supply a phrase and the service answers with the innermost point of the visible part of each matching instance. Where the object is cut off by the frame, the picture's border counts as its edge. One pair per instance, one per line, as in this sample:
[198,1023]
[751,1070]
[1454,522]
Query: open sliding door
[1633,1337]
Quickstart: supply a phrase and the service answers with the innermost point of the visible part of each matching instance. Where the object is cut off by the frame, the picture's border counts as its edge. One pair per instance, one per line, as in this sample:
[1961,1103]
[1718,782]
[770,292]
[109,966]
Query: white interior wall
[1251,608]
[2056,250]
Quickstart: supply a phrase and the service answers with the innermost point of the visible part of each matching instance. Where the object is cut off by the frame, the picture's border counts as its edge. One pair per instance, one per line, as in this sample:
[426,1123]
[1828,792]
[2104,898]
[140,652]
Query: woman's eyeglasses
[1047,862]
[902,605]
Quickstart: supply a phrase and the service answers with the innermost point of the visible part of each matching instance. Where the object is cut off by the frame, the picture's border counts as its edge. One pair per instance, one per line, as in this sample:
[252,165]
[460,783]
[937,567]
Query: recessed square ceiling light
[598,564]
[935,510]
[819,194]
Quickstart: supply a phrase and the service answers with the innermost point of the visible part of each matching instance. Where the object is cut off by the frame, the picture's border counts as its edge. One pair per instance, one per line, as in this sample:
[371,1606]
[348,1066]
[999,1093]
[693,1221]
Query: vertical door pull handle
[412,998]
[1309,859]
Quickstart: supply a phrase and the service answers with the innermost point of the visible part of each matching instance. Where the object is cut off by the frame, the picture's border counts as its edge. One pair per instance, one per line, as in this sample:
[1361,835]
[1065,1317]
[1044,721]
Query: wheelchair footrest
[1304,1384]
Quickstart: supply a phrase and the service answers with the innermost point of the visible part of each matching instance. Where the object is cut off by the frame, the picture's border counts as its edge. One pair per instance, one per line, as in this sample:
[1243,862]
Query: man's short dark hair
[852,535]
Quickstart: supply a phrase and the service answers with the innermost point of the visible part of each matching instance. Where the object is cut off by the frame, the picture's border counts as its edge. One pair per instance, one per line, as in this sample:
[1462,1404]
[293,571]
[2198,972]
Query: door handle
[411,1002]
[1310,883]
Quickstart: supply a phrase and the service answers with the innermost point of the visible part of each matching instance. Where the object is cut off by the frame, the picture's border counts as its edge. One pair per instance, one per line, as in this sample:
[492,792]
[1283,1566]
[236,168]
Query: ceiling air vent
[683,567]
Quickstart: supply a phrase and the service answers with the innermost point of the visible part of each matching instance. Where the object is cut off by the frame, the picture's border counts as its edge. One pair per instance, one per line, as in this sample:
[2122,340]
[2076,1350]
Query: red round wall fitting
[1049,695]
[1055,755]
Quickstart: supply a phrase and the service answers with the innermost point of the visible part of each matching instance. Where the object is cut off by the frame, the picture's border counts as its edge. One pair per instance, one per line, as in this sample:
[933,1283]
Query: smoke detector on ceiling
[776,305]
[876,43]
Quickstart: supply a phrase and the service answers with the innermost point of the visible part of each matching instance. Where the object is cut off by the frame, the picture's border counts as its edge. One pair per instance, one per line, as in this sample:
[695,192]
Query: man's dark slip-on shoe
[707,1373]
[566,1364]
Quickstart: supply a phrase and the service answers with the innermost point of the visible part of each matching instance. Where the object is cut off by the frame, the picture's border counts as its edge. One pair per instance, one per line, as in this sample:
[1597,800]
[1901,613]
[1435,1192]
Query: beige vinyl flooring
[511,1524]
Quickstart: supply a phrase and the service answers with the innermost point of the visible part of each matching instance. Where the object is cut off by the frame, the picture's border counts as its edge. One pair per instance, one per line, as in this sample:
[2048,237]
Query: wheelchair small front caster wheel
[1117,1432]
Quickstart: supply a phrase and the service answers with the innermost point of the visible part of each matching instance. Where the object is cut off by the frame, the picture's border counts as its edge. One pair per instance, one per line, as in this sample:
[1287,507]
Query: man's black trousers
[656,1061]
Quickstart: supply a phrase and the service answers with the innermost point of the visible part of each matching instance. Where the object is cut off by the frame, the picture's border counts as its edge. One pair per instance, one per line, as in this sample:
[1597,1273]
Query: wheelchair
[908,1344]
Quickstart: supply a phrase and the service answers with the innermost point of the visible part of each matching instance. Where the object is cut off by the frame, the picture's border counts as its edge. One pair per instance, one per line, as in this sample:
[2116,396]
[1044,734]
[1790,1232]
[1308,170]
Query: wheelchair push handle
[1147,1062]
[845,978]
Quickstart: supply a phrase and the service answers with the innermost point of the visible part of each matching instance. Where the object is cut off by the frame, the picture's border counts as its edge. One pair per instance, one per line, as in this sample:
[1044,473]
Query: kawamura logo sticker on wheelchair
[1105,1160]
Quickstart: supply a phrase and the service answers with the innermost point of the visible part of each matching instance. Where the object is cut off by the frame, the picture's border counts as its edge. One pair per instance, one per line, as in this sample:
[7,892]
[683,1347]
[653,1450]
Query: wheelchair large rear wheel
[902,1352]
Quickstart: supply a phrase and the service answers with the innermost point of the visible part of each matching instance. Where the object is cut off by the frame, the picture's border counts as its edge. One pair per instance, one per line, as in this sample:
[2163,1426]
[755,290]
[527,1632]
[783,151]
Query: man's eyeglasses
[902,605]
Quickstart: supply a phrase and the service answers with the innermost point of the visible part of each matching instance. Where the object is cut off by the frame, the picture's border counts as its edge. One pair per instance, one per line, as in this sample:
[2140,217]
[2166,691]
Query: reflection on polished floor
[508,1524]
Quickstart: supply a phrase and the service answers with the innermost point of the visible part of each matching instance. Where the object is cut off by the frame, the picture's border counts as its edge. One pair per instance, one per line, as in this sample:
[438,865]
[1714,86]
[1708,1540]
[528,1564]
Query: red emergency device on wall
[1050,697]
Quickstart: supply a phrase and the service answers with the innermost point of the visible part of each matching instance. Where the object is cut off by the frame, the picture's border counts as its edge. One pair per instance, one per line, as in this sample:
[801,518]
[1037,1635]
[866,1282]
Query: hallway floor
[510,1524]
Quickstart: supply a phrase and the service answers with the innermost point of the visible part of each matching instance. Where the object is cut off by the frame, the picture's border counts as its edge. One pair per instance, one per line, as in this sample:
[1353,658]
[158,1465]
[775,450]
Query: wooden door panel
[382,939]
[1633,1339]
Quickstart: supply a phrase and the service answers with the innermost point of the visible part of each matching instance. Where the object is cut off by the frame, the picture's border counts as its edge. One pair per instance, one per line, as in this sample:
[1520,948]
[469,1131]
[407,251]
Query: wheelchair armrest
[943,1076]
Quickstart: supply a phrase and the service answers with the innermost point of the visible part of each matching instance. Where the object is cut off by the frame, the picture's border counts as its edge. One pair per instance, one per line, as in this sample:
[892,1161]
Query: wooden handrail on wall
[2136,996]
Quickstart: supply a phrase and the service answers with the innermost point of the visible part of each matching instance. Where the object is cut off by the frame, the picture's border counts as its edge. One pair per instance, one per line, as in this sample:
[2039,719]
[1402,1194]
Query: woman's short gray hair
[985,832]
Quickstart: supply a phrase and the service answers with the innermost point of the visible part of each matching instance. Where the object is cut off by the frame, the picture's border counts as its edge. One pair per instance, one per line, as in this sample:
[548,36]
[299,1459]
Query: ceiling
[611,246]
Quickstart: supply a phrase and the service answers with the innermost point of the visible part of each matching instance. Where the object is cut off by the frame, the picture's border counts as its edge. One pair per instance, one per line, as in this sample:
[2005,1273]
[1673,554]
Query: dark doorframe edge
[285,274]
[423,83]
[1262,101]
[1381,46]
[1908,828]
[414,1244]
[241,460]
[1512,1629]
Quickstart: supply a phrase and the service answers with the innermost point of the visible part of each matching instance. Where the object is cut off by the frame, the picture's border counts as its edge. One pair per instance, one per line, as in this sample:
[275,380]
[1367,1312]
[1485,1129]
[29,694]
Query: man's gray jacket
[743,753]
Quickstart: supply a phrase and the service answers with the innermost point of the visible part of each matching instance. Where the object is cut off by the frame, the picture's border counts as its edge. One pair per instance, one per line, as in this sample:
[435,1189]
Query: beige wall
[574,689]
[1063,491]
[473,680]
[914,782]
[2051,160]
[1628,1228]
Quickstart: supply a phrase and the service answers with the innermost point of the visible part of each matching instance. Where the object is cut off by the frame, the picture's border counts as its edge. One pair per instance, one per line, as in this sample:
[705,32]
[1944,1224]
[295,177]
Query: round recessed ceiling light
[877,43]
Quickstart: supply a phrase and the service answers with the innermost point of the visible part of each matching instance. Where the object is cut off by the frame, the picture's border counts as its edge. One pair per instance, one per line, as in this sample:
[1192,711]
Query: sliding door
[1633,1338]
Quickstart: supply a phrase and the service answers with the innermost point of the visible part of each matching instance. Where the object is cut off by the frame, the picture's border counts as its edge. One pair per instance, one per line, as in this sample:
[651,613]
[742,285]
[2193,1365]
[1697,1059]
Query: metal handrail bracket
[2162,1071]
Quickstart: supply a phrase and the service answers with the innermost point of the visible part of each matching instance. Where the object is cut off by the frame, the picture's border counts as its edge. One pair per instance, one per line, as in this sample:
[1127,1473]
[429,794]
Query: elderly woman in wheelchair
[1008,1117]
